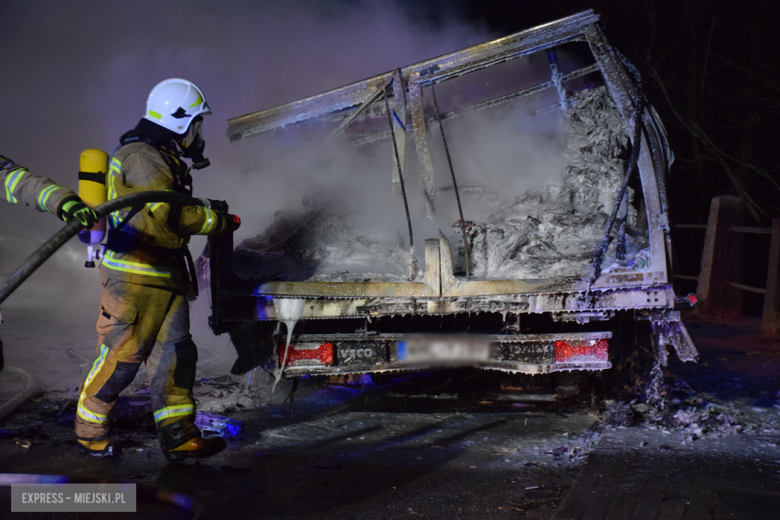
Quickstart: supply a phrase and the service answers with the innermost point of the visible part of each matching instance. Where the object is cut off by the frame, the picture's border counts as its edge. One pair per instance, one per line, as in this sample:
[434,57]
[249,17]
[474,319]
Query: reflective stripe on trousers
[92,417]
[82,411]
[169,412]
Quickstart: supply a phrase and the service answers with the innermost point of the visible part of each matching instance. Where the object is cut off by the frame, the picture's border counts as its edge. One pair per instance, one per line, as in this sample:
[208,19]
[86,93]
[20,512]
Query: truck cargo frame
[646,294]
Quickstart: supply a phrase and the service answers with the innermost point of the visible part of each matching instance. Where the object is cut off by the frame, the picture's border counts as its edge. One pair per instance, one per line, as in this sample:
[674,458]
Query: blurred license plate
[427,350]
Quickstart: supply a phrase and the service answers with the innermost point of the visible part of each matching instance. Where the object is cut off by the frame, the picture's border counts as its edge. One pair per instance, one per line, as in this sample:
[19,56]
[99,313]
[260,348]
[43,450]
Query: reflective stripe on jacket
[140,167]
[19,186]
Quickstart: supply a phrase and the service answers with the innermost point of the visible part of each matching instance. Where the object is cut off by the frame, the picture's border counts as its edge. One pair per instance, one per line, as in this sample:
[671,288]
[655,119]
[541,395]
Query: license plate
[442,349]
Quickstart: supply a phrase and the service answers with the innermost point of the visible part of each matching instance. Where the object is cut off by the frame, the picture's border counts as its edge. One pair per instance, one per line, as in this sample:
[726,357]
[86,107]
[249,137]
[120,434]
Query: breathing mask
[193,144]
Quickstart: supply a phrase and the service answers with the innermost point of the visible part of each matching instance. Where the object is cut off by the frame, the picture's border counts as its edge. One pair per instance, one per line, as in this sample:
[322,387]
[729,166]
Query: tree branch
[754,208]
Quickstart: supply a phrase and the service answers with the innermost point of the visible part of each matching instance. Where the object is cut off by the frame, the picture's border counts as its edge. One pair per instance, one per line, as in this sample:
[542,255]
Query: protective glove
[74,209]
[5,162]
[216,205]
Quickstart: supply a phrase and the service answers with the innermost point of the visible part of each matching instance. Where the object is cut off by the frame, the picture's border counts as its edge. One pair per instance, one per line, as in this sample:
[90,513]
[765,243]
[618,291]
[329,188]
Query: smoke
[497,154]
[76,76]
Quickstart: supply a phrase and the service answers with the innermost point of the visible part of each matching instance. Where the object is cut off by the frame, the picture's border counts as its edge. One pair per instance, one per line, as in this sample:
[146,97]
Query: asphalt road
[448,444]
[411,447]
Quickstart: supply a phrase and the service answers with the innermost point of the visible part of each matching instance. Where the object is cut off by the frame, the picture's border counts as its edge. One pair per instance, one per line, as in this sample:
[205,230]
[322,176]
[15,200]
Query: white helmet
[174,103]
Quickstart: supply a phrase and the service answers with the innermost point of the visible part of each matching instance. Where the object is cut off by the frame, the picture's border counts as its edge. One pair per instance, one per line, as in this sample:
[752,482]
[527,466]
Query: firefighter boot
[196,448]
[101,448]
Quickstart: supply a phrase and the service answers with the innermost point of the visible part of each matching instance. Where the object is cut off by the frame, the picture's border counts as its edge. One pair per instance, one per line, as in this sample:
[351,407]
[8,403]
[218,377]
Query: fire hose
[58,240]
[30,266]
[30,388]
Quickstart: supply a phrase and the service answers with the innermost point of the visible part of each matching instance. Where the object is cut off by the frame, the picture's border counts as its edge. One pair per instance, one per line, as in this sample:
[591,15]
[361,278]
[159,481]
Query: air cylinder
[93,165]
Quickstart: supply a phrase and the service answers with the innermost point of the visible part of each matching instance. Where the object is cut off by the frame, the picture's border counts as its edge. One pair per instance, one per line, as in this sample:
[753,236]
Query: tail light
[307,354]
[581,351]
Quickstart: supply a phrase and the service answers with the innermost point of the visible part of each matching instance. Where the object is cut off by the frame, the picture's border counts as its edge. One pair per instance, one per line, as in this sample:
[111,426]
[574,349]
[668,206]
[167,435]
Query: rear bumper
[332,354]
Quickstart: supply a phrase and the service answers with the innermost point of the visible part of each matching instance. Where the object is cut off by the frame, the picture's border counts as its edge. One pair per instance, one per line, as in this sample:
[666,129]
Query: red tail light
[585,350]
[322,355]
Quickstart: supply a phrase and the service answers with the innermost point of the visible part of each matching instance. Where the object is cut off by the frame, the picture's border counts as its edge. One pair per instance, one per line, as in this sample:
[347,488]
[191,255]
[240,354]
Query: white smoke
[78,75]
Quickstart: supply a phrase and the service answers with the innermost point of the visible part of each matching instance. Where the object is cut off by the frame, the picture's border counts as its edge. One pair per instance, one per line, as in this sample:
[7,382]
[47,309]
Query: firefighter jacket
[147,245]
[22,187]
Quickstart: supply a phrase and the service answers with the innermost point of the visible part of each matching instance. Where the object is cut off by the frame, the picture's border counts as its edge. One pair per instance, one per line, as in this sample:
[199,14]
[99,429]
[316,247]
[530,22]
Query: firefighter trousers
[142,324]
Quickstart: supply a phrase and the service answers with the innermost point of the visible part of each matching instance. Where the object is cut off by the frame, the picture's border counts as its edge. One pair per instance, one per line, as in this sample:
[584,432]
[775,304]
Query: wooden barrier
[770,320]
[721,260]
[720,279]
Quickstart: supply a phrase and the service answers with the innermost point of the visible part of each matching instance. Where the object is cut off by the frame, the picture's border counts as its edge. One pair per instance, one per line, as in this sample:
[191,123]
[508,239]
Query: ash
[698,415]
[318,245]
[548,233]
[555,231]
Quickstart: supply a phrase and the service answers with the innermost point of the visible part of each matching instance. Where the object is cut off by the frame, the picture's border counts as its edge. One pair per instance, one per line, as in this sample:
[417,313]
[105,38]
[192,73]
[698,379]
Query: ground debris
[23,443]
[222,394]
[212,425]
[697,414]
[617,414]
[29,431]
[576,451]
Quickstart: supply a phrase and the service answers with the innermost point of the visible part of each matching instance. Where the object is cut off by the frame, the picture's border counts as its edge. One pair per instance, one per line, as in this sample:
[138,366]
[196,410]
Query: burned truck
[516,276]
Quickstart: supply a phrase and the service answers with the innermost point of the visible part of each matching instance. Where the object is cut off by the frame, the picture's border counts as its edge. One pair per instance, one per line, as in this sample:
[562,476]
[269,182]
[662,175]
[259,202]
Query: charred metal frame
[441,292]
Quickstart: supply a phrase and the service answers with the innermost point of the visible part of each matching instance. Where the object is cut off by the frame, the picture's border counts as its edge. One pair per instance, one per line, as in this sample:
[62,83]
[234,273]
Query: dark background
[710,68]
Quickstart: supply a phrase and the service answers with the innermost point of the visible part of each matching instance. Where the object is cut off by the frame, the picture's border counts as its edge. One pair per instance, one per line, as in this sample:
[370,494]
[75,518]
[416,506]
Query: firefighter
[147,276]
[21,186]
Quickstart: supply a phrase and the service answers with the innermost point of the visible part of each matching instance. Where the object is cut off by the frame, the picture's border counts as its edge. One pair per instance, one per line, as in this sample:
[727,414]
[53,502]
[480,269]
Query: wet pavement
[406,448]
[447,444]
[643,474]
[719,460]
